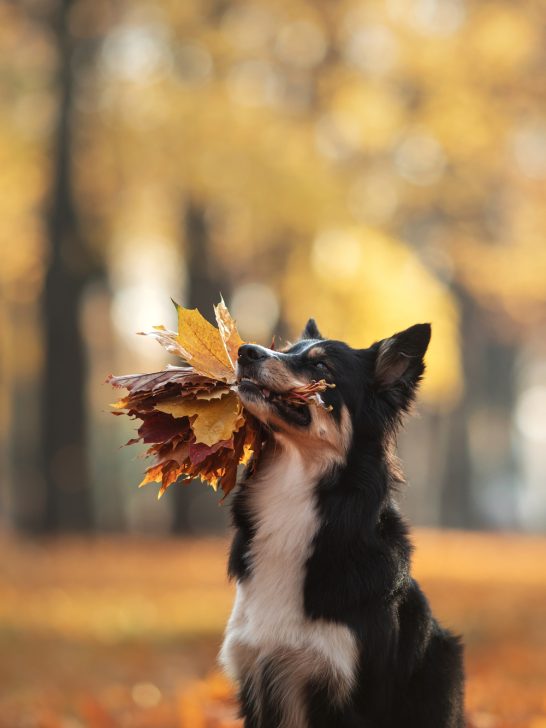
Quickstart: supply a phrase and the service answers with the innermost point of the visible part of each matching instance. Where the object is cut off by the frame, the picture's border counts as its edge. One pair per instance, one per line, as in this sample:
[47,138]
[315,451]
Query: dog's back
[328,627]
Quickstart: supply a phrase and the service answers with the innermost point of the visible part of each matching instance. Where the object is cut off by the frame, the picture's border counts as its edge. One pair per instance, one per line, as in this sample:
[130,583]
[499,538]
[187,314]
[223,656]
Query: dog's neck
[285,467]
[365,459]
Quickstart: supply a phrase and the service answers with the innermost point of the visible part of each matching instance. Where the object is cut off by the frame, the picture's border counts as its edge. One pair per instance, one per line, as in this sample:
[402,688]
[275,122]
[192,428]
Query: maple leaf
[149,382]
[192,419]
[309,393]
[205,348]
[159,427]
[198,452]
[228,331]
[215,419]
[167,339]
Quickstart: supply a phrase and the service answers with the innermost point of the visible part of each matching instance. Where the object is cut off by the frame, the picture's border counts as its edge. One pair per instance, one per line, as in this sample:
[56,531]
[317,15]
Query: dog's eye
[322,366]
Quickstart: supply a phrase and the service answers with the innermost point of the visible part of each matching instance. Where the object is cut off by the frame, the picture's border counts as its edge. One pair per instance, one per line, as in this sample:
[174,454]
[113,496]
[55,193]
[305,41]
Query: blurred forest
[372,164]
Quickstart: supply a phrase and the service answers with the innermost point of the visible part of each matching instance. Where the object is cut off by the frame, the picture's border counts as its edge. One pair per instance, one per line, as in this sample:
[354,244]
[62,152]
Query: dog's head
[373,386]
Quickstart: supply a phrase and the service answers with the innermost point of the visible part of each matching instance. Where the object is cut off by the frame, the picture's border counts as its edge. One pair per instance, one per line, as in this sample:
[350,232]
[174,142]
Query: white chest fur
[268,626]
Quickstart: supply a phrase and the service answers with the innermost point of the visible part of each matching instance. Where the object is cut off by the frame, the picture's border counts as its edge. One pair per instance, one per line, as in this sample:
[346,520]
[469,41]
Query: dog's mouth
[252,387]
[271,405]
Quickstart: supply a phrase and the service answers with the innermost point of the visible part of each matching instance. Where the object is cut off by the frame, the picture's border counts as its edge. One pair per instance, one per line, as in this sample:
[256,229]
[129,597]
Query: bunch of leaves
[192,418]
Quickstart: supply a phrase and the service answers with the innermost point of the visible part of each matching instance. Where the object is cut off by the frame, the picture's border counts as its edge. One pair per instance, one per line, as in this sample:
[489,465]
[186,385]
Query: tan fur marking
[316,352]
[327,431]
[275,374]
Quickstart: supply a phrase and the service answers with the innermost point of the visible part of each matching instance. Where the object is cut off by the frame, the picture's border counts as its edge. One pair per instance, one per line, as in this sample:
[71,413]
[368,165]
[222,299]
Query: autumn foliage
[192,418]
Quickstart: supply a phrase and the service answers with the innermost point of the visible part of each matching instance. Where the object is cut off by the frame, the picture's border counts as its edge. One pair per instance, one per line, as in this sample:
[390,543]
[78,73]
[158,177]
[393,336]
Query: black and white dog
[329,630]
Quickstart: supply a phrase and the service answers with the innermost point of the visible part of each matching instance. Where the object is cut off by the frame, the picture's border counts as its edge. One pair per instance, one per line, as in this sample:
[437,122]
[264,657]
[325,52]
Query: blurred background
[371,164]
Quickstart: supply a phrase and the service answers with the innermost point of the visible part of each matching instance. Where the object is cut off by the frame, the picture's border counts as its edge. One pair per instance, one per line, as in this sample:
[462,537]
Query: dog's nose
[251,353]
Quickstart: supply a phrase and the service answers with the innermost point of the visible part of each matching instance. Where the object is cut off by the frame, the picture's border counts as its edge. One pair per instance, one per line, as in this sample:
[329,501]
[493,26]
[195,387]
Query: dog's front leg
[239,661]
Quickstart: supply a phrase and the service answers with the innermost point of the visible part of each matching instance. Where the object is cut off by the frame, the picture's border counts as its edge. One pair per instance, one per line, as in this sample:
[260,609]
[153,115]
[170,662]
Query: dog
[328,628]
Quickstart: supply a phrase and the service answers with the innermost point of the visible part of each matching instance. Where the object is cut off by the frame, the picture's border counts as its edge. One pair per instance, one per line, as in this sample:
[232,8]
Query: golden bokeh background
[371,164]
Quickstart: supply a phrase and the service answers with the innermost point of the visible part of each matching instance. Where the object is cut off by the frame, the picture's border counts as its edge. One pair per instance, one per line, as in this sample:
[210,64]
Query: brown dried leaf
[308,393]
[168,340]
[228,331]
[150,382]
[213,394]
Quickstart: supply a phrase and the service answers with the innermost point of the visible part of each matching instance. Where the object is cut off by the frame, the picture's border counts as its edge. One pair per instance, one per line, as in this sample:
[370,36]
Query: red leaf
[199,451]
[159,427]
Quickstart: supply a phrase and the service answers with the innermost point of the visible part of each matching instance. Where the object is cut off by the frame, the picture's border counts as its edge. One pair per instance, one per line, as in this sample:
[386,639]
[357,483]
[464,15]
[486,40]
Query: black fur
[410,671]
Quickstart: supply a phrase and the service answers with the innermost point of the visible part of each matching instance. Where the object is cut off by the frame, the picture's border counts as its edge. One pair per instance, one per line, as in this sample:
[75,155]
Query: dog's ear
[311,331]
[400,357]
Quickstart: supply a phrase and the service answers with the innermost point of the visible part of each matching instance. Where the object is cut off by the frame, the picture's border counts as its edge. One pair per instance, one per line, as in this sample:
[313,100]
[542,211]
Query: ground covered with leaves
[120,633]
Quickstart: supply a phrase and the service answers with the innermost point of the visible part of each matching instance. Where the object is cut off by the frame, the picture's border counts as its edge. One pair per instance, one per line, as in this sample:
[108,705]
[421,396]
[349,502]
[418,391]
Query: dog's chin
[271,409]
[253,399]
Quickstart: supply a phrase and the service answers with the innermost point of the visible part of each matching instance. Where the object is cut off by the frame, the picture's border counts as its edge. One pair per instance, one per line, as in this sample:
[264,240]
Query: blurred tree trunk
[204,278]
[205,283]
[67,501]
[456,504]
[488,400]
[499,468]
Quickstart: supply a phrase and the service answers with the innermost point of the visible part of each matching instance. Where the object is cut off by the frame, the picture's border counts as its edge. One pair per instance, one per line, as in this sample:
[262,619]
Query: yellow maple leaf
[215,419]
[203,345]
